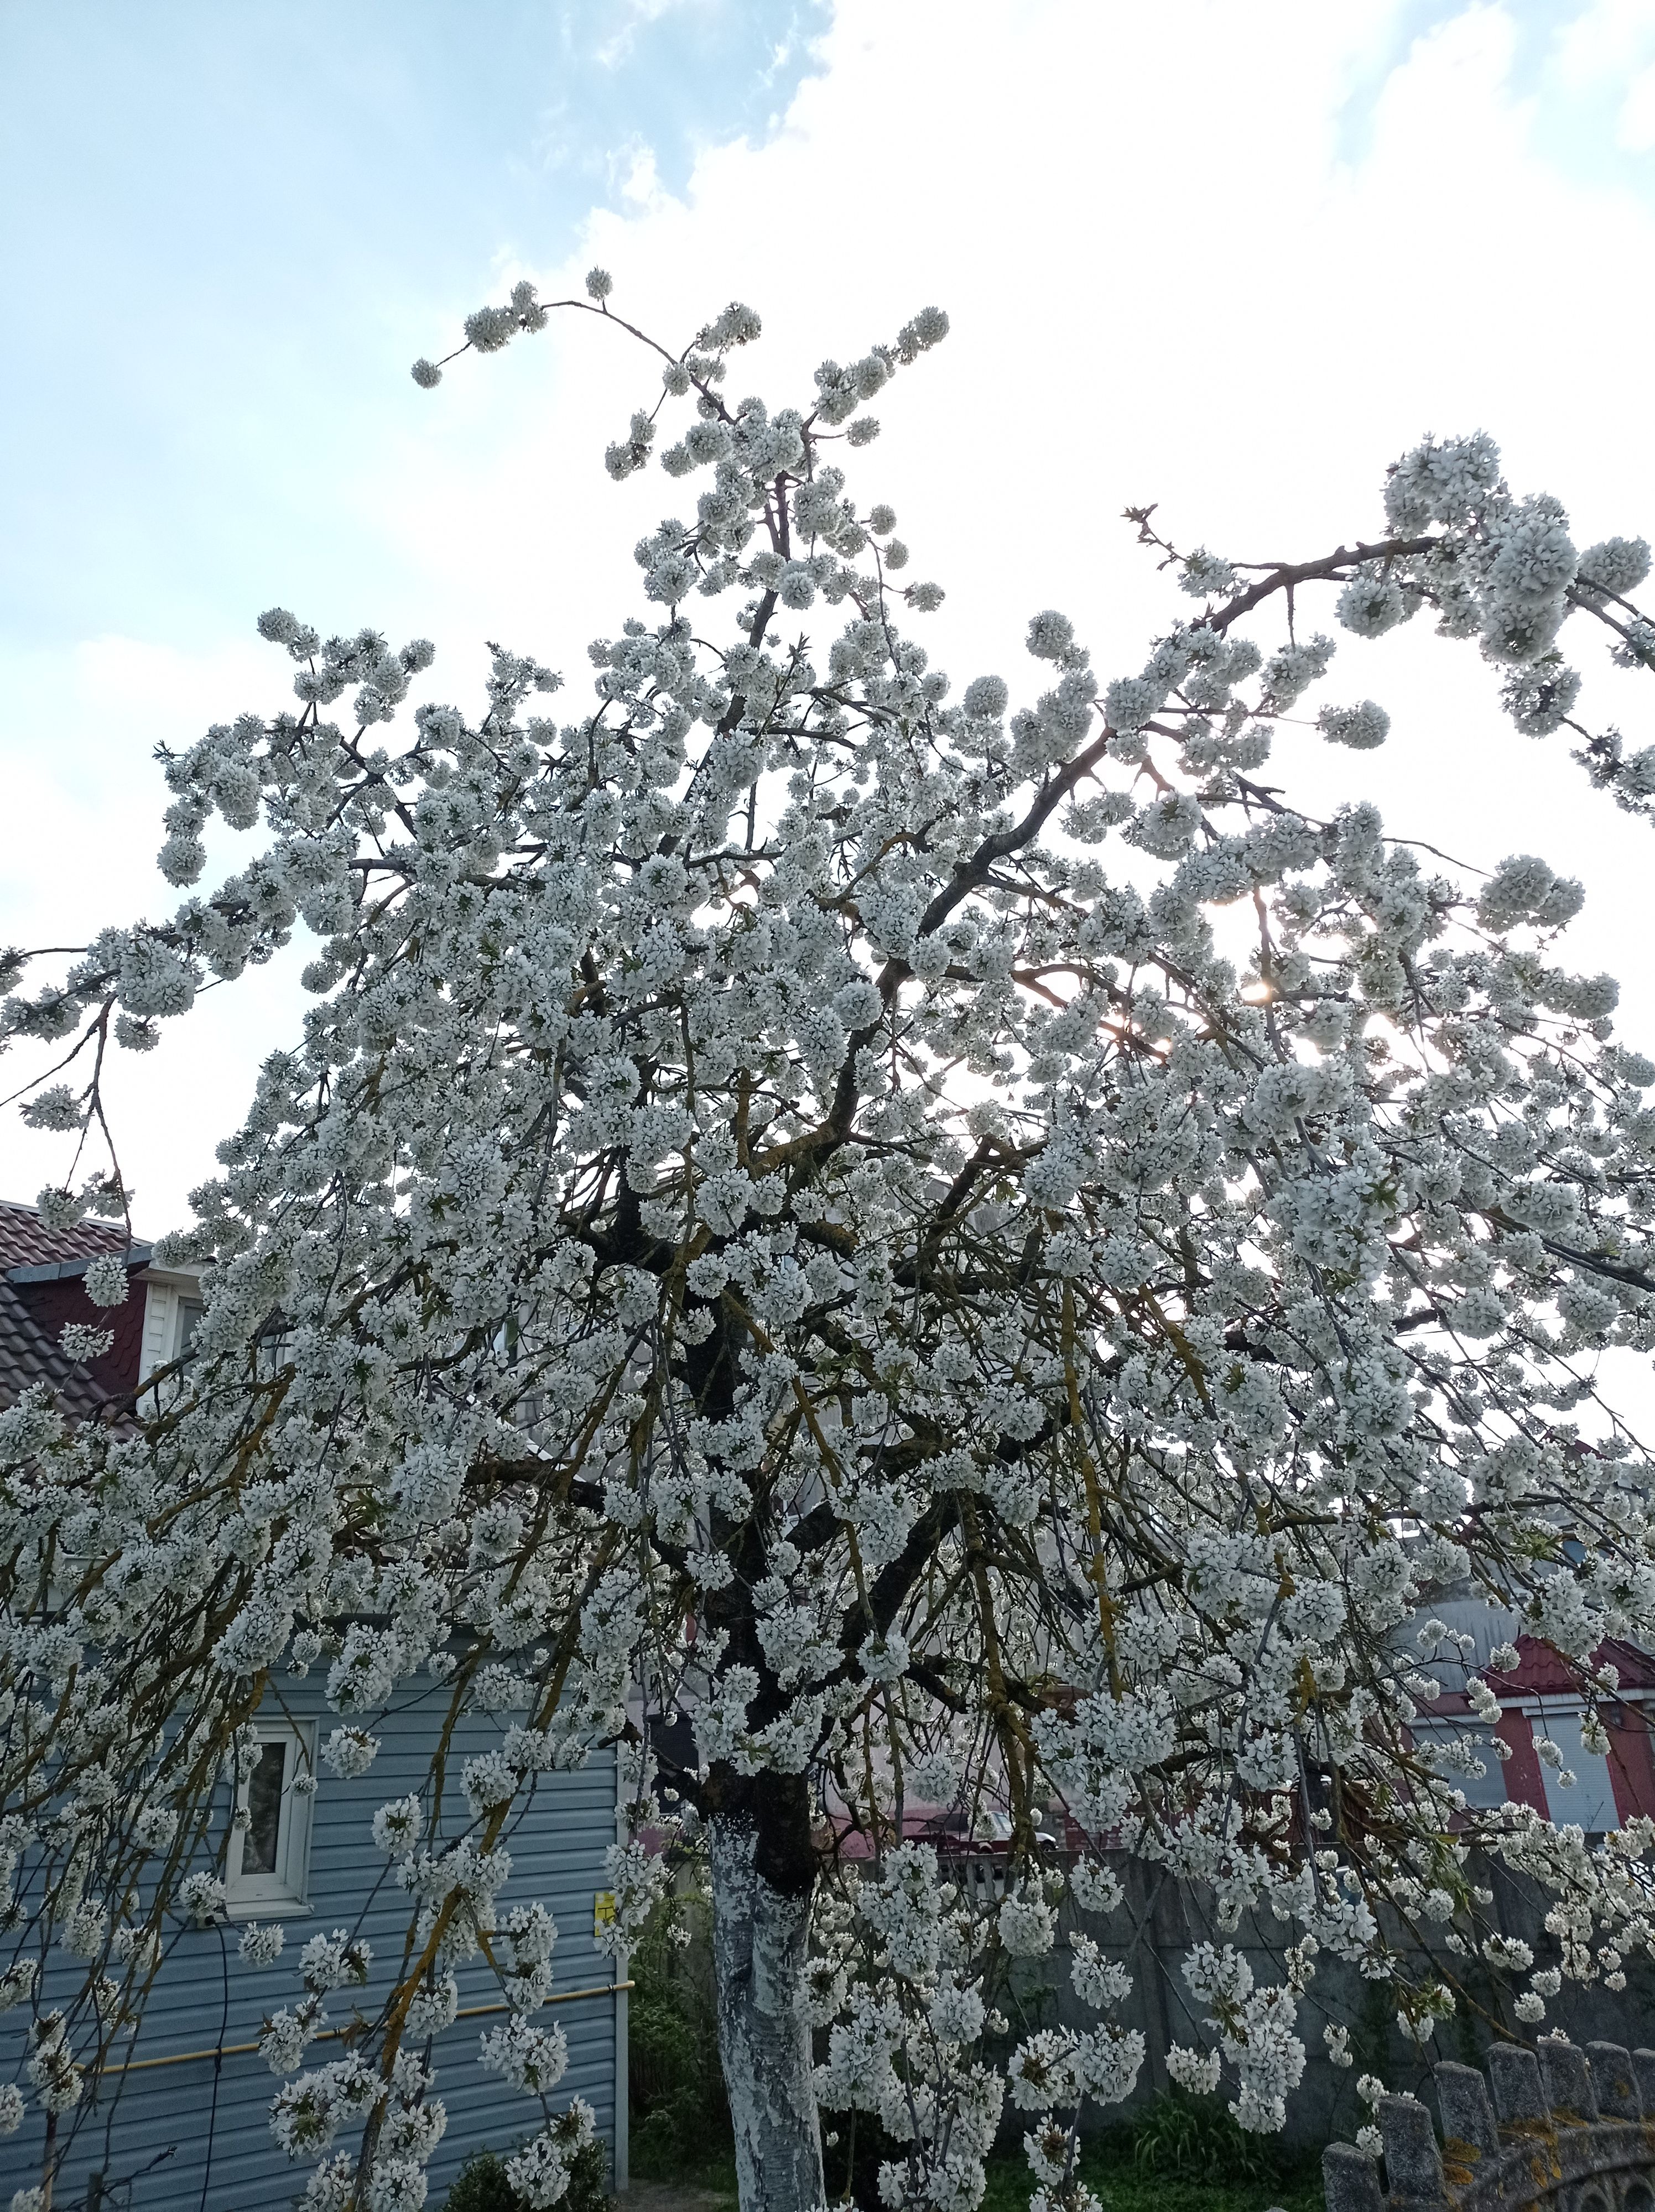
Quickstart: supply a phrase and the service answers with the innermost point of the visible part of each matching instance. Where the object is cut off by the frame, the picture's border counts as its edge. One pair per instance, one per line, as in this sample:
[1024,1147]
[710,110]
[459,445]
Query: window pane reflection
[259,1841]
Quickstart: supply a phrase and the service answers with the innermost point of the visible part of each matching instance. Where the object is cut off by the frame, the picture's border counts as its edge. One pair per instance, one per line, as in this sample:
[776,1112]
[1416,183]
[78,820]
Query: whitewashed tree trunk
[759,1940]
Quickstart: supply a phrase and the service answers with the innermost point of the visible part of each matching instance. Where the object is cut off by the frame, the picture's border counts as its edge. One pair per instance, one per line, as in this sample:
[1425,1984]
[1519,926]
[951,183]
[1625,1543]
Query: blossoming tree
[990,1262]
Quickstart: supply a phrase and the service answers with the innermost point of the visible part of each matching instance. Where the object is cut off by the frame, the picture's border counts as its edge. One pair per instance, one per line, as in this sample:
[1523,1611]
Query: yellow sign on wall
[603,1912]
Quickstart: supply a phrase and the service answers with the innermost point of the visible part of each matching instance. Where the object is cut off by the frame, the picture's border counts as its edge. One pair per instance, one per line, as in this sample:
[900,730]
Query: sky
[1232,259]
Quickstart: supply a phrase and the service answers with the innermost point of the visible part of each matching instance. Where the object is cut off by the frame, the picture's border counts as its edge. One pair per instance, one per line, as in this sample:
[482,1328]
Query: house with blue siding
[180,2115]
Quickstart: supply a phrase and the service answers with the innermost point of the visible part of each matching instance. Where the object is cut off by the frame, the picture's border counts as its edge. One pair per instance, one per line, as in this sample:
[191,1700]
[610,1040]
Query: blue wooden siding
[212,2119]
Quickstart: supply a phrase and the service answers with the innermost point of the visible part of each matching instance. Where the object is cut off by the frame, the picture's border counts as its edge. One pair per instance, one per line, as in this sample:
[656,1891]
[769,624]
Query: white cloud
[1636,129]
[1166,282]
[631,16]
[84,783]
[640,185]
[87,784]
[1604,43]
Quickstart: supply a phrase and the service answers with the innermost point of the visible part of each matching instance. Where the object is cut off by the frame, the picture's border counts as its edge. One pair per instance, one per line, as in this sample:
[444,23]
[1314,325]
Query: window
[267,1866]
[1589,1801]
[189,1311]
[173,1311]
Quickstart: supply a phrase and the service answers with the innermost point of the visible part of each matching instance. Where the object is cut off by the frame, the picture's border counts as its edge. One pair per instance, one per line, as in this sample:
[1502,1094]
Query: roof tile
[30,1353]
[26,1241]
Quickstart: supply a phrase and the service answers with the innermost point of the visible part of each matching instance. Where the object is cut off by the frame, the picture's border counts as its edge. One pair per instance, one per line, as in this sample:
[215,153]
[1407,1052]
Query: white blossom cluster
[904,2031]
[775,1221]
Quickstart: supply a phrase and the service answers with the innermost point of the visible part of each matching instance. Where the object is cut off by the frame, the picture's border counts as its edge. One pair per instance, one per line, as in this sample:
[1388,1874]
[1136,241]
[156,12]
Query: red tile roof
[1541,1672]
[32,1312]
[26,1241]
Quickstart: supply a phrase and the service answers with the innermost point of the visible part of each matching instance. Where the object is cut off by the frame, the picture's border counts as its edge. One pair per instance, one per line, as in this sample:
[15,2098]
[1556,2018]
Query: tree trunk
[759,1939]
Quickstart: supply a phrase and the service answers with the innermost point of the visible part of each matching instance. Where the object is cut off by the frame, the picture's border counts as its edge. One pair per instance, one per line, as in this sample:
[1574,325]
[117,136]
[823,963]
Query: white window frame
[286,1889]
[168,1292]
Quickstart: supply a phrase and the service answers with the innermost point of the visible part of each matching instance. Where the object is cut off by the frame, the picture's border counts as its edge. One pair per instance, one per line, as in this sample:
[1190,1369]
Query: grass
[1110,2170]
[654,2162]
[1110,2165]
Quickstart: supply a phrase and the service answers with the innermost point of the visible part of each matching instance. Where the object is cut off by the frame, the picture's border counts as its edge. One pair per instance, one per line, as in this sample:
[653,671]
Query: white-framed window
[173,1309]
[267,1866]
